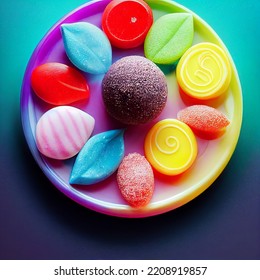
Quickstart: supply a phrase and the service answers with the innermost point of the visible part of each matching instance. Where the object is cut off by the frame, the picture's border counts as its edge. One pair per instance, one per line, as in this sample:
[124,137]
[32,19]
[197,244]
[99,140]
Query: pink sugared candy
[205,121]
[62,131]
[135,180]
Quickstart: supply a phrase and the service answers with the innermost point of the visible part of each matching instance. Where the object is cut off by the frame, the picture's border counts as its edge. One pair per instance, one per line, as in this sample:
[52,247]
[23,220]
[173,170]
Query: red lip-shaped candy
[59,84]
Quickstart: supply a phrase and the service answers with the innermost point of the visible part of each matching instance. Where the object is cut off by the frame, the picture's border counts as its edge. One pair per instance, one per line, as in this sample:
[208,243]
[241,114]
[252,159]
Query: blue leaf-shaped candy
[87,47]
[99,158]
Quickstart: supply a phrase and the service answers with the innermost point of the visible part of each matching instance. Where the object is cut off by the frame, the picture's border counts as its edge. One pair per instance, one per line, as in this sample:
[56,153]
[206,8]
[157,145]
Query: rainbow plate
[170,192]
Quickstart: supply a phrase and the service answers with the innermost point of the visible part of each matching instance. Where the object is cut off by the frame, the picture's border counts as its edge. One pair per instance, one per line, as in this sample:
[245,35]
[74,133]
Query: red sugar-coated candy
[136,180]
[204,120]
[59,84]
[126,22]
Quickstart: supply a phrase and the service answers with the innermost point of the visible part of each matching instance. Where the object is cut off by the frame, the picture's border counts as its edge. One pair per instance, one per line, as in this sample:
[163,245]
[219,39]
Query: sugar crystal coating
[136,180]
[134,90]
[203,118]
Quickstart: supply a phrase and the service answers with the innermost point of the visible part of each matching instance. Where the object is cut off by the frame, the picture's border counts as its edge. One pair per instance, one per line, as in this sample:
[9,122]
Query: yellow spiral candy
[204,71]
[170,147]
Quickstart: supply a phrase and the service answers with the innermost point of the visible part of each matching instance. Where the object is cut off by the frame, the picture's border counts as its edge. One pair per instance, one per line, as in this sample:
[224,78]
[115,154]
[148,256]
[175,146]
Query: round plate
[104,197]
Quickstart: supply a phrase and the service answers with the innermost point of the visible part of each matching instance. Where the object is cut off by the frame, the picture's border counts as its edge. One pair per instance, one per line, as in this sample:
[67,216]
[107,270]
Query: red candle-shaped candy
[126,22]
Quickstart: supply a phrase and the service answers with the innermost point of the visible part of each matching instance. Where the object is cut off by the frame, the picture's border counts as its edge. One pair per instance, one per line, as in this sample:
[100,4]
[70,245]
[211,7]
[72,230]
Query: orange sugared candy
[205,121]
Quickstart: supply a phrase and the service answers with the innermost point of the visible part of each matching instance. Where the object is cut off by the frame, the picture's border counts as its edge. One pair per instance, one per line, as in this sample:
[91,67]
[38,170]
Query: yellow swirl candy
[204,71]
[170,147]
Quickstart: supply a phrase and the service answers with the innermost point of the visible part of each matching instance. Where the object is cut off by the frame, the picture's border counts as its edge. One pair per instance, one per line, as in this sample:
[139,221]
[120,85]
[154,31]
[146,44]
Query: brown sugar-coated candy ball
[134,90]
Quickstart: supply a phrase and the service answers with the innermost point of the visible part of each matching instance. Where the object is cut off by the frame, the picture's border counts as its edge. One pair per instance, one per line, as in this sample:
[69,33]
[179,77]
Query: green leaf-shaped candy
[99,158]
[169,37]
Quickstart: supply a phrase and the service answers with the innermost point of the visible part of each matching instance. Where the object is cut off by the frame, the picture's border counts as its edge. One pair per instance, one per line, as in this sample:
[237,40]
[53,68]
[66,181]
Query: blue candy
[87,47]
[99,158]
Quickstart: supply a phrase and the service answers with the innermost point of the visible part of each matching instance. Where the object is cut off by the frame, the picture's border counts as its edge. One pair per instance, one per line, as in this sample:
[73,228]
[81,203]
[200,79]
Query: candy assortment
[134,93]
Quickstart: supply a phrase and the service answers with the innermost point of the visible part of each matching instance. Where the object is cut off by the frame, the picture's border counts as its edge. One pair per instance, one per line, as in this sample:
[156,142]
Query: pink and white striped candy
[62,131]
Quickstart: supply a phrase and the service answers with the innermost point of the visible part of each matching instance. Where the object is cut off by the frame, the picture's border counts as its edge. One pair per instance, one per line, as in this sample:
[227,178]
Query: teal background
[38,222]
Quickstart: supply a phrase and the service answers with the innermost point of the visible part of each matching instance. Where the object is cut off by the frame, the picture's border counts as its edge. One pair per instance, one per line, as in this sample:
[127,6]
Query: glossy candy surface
[87,47]
[135,180]
[59,84]
[62,131]
[99,158]
[126,22]
[170,146]
[204,71]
